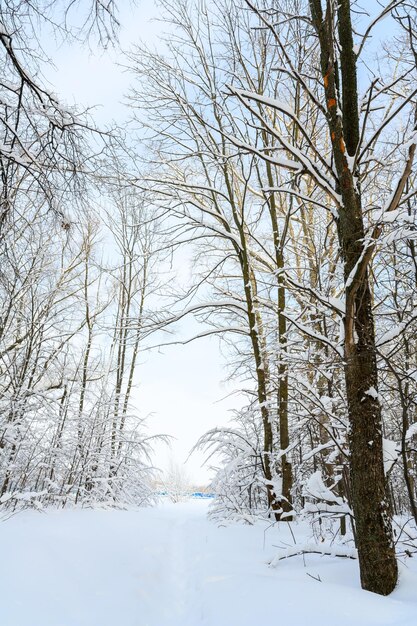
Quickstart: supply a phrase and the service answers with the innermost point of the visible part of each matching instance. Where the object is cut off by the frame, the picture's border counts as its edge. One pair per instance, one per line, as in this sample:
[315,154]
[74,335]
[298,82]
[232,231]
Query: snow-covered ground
[170,566]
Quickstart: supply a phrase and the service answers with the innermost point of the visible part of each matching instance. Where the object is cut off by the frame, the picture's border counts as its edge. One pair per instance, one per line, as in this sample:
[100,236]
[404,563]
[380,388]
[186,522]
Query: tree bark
[370,499]
[283,386]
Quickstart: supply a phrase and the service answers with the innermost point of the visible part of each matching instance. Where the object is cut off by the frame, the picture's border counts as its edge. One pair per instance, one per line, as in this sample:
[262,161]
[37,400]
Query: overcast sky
[180,386]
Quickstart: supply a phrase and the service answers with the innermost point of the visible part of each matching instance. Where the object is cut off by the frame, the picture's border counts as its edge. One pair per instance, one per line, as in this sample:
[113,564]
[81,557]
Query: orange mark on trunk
[342,145]
[331,102]
[326,80]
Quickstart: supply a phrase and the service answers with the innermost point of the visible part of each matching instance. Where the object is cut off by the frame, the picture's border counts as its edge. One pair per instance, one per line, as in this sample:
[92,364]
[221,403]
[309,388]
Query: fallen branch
[324,550]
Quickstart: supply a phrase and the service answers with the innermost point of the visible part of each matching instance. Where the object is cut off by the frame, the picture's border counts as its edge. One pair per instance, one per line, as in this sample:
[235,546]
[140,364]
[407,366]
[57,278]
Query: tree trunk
[370,500]
[284,437]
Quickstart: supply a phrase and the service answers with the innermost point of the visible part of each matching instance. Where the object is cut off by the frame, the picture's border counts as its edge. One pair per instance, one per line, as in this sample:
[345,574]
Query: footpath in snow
[170,566]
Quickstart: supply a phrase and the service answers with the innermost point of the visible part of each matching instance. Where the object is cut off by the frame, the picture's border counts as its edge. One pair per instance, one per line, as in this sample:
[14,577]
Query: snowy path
[169,566]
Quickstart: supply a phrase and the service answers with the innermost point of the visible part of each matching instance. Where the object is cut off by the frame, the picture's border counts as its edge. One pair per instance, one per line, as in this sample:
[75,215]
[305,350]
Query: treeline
[72,325]
[284,145]
[77,266]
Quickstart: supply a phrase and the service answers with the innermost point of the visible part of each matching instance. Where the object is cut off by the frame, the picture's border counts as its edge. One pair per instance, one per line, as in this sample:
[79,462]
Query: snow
[319,448]
[372,392]
[391,334]
[316,488]
[170,566]
[391,453]
[271,102]
[411,431]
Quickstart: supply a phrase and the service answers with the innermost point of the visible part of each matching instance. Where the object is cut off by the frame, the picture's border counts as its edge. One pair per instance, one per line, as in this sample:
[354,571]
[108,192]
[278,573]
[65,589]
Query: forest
[272,144]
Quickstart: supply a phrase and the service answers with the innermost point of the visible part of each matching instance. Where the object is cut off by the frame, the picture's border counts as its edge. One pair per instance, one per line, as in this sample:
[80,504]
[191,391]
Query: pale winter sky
[181,386]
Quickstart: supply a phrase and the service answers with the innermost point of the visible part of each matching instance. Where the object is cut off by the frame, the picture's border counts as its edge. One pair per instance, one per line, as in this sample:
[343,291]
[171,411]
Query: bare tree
[354,134]
[211,187]
[45,147]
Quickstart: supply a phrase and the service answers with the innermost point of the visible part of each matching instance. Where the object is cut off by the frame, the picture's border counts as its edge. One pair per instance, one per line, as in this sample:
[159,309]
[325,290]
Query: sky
[179,387]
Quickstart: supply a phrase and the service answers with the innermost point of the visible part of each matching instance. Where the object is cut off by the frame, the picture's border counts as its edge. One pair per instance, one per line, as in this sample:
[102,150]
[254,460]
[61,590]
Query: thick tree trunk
[370,500]
[369,493]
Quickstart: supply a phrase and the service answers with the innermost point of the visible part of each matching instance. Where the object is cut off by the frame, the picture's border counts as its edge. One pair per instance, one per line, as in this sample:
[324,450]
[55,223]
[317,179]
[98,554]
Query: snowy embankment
[170,566]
